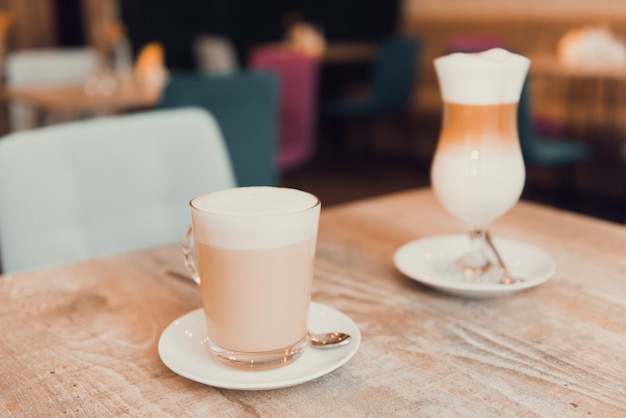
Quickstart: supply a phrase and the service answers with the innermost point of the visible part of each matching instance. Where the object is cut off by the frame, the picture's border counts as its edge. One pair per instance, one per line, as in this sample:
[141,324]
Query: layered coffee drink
[478,170]
[255,249]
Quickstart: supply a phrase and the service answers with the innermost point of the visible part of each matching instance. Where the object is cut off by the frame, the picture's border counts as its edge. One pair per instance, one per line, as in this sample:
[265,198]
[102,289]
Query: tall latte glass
[478,171]
[255,249]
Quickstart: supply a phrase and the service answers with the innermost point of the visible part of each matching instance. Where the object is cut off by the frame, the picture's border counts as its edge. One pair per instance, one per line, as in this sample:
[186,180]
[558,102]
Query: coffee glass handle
[188,254]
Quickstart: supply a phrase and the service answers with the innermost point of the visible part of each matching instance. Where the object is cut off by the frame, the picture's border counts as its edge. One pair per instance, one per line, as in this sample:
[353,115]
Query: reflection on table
[82,338]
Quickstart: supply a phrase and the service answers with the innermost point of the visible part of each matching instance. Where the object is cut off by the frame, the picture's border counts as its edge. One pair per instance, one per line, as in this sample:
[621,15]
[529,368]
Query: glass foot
[475,266]
[473,272]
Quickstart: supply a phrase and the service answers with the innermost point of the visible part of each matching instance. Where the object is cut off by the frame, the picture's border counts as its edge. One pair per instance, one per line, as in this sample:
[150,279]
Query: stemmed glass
[478,171]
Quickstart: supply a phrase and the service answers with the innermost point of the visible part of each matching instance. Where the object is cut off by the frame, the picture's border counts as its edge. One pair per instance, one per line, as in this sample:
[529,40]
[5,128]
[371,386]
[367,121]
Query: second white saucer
[425,261]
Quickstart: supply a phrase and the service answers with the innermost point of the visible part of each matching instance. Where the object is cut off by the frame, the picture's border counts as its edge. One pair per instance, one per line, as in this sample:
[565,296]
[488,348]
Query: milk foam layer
[495,76]
[255,217]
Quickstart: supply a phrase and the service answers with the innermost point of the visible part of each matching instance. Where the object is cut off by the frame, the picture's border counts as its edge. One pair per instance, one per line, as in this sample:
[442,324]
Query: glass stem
[475,262]
[477,257]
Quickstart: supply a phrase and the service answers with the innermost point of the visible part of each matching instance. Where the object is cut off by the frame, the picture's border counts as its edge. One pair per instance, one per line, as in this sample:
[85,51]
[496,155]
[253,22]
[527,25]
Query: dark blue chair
[539,150]
[559,158]
[389,90]
[393,77]
[245,105]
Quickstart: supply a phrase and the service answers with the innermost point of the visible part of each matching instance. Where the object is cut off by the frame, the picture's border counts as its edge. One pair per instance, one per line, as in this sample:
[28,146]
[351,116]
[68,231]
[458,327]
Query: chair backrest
[214,53]
[245,105]
[395,72]
[43,67]
[85,189]
[298,75]
[38,67]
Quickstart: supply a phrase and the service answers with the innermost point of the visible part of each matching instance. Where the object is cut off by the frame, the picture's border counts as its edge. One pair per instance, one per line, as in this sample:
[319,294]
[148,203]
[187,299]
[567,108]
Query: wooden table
[82,339]
[49,101]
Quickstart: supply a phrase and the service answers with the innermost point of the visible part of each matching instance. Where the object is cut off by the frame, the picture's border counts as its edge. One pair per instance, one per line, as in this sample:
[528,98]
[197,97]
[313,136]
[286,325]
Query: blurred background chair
[245,105]
[539,150]
[298,75]
[390,88]
[86,189]
[214,53]
[548,159]
[45,67]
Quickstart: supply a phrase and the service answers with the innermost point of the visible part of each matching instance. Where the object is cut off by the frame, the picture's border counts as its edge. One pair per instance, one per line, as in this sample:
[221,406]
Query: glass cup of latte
[254,257]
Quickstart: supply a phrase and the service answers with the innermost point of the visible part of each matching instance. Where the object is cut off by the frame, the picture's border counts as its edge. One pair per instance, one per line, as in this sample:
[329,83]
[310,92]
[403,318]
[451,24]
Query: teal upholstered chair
[542,151]
[388,93]
[79,190]
[559,158]
[391,84]
[245,105]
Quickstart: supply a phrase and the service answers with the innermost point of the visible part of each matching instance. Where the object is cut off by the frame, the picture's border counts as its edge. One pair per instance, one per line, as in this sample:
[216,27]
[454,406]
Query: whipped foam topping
[491,77]
[255,201]
[255,217]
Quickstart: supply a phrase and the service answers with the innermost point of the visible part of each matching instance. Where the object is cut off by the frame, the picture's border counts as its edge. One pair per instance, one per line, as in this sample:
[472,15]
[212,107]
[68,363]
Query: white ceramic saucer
[428,260]
[182,350]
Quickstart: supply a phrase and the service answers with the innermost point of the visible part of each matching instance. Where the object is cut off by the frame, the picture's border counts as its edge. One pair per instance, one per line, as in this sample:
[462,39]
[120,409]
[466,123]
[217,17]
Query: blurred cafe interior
[361,134]
[120,269]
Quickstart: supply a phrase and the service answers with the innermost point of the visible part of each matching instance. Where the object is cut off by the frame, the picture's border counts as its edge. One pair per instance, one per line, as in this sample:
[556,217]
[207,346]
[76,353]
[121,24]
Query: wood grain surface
[81,340]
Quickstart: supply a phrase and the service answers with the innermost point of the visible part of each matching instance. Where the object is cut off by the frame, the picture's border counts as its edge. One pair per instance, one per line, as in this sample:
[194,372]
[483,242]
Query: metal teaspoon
[318,340]
[506,275]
